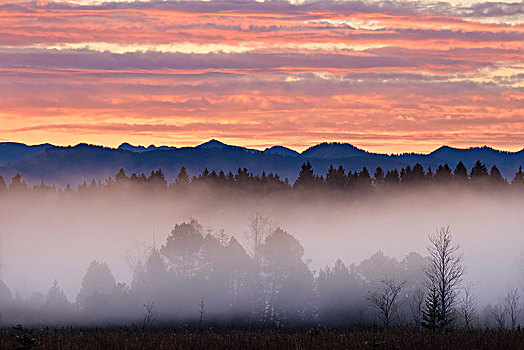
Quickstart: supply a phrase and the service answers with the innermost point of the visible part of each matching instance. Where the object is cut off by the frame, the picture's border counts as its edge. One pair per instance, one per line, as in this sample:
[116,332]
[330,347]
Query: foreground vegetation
[166,338]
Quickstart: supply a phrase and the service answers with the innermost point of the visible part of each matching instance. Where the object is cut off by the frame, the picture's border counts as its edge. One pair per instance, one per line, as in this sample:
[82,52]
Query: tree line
[201,278]
[336,178]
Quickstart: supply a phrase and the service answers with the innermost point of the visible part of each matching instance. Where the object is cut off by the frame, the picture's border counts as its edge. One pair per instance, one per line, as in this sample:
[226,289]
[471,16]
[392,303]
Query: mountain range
[73,164]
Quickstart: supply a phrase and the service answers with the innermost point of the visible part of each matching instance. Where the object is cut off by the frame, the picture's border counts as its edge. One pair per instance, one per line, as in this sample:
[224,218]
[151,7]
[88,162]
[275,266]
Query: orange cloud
[388,77]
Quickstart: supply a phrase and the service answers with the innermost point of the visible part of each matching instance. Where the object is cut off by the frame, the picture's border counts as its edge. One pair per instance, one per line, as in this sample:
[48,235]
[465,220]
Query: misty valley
[405,248]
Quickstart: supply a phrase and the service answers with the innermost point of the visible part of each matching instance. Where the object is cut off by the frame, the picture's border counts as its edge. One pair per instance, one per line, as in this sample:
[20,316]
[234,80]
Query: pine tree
[479,172]
[495,176]
[417,173]
[431,314]
[443,173]
[519,177]
[378,177]
[182,178]
[306,177]
[461,173]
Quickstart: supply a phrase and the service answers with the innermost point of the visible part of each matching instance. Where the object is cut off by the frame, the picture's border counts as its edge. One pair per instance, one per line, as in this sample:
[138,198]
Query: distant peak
[212,144]
[281,150]
[333,150]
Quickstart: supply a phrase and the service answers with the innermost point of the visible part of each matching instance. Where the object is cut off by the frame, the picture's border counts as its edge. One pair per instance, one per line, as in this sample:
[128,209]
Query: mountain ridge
[73,164]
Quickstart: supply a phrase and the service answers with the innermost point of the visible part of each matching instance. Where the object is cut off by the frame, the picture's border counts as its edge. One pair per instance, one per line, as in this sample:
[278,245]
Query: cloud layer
[388,76]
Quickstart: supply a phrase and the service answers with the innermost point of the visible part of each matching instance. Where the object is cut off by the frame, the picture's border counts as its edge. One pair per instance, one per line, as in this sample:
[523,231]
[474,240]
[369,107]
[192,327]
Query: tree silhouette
[432,314]
[512,306]
[286,274]
[392,177]
[479,172]
[336,178]
[157,179]
[306,178]
[443,277]
[17,183]
[460,174]
[518,179]
[378,177]
[495,176]
[386,299]
[183,246]
[98,279]
[443,174]
[182,178]
[417,173]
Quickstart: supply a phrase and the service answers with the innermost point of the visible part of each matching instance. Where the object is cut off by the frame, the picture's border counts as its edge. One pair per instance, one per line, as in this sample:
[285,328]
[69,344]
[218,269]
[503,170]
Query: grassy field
[121,338]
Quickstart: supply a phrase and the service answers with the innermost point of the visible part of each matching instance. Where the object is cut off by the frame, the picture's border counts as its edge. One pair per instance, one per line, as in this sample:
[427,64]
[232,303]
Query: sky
[388,76]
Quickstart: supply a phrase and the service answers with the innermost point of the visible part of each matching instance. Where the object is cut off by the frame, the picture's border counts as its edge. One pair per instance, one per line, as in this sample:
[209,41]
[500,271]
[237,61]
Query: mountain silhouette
[74,164]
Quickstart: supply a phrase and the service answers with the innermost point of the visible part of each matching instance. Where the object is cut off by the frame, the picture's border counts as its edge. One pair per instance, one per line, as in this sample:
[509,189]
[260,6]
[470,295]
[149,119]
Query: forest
[200,278]
[336,179]
[258,276]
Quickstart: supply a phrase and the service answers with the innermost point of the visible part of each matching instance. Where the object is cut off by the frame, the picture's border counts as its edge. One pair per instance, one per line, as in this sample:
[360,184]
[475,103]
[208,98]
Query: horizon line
[262,148]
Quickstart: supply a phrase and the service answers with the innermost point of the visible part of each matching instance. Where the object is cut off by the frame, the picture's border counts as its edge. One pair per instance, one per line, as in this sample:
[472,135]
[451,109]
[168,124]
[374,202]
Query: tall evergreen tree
[182,178]
[479,172]
[17,183]
[378,177]
[157,178]
[431,313]
[443,174]
[495,176]
[417,173]
[121,176]
[460,175]
[518,179]
[363,179]
[306,177]
[336,178]
[392,177]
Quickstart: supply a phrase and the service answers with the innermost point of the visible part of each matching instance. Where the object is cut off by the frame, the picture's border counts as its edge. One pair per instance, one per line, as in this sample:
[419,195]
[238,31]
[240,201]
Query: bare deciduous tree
[416,306]
[259,228]
[385,299]
[468,307]
[512,306]
[150,316]
[498,313]
[443,276]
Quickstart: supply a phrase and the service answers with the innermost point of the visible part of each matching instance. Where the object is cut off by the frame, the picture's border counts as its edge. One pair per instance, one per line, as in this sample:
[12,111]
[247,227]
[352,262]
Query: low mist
[48,236]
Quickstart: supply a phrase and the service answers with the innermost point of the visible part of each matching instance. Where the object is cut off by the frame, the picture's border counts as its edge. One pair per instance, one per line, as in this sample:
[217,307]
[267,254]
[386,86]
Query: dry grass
[67,338]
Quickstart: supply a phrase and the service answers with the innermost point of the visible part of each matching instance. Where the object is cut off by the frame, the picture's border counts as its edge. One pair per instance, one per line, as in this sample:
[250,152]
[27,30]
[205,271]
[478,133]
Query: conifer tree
[306,177]
[460,175]
[182,178]
[479,172]
[495,176]
[431,313]
[443,173]
[378,177]
[518,179]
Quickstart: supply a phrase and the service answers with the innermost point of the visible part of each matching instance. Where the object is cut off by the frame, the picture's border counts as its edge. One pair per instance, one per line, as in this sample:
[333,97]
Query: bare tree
[416,306]
[259,228]
[444,275]
[498,313]
[512,306]
[150,316]
[201,310]
[468,306]
[385,299]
